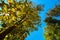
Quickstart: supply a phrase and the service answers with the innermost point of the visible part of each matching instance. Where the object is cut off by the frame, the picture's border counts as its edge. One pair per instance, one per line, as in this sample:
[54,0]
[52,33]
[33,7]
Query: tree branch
[9,29]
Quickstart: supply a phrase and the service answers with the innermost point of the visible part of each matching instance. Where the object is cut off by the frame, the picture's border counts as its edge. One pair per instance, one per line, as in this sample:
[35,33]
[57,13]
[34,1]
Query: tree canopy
[52,29]
[18,19]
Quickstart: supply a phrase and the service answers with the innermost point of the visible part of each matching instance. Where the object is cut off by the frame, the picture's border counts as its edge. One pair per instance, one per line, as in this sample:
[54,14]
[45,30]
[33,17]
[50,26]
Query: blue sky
[39,34]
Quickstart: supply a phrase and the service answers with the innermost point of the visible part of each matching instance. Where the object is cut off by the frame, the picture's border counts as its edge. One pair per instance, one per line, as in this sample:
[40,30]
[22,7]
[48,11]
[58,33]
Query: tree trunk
[7,31]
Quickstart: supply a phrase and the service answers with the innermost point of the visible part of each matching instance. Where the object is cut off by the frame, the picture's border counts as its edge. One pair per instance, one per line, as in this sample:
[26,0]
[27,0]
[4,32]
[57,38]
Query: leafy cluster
[52,30]
[21,14]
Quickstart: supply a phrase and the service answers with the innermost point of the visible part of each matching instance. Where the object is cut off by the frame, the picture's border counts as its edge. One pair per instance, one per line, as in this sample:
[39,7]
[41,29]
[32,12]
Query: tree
[18,19]
[52,30]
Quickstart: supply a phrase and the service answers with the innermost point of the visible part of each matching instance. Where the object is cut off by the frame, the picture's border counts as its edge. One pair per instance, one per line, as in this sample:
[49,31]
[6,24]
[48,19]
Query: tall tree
[18,19]
[52,29]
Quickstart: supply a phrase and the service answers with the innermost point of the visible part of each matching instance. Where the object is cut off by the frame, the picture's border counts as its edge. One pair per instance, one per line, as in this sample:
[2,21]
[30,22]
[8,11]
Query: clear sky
[39,34]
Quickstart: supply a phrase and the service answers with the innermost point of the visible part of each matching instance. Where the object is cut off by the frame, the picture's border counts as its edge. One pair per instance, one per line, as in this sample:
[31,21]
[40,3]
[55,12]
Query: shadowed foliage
[52,29]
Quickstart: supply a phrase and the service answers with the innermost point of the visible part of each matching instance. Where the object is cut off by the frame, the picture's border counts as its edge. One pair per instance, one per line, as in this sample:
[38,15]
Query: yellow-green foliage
[12,12]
